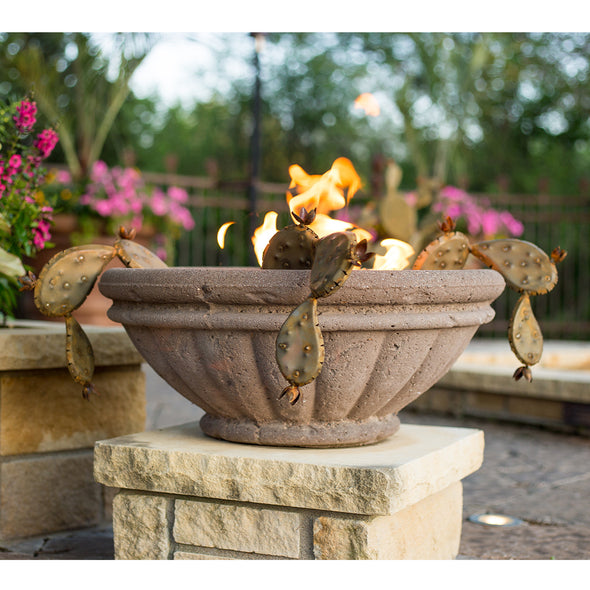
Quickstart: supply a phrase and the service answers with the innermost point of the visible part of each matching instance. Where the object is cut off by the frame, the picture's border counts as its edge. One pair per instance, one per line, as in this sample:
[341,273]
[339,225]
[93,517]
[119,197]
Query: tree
[69,78]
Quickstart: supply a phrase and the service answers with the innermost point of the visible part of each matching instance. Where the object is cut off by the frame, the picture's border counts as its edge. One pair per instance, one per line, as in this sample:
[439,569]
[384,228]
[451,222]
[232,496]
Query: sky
[170,68]
[181,67]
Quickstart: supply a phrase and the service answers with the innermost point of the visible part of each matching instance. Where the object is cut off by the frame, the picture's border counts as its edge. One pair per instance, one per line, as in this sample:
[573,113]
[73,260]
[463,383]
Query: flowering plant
[25,217]
[477,214]
[120,196]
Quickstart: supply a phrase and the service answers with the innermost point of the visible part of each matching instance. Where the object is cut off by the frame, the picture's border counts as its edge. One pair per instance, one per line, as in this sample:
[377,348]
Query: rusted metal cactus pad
[66,280]
[448,252]
[524,333]
[525,266]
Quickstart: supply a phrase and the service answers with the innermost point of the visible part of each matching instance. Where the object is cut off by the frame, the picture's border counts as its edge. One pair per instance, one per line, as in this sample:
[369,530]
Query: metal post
[255,146]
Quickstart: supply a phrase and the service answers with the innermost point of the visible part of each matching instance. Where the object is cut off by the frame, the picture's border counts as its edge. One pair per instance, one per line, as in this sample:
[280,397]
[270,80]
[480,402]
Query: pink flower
[63,177]
[513,226]
[25,116]
[99,170]
[15,163]
[177,194]
[46,141]
[158,203]
[490,223]
[183,216]
[104,208]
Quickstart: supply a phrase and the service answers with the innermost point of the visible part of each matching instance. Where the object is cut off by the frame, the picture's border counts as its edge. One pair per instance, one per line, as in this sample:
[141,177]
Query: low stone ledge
[43,411]
[46,493]
[47,350]
[480,384]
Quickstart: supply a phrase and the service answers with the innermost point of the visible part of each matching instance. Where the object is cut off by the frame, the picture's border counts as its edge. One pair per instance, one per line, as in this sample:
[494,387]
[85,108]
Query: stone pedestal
[186,496]
[48,431]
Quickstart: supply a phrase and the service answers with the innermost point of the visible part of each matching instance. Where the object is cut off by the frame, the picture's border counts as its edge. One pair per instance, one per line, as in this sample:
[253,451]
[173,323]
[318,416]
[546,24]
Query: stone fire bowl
[389,336]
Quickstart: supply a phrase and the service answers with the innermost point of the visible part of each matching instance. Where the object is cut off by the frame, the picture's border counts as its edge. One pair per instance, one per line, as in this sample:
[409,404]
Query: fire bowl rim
[367,285]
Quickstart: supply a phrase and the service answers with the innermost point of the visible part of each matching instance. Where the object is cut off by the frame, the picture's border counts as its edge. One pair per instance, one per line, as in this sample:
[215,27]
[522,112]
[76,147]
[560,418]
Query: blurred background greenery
[475,109]
[500,114]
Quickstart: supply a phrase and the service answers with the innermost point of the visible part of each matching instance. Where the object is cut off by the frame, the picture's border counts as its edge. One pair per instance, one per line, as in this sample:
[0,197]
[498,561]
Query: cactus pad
[334,258]
[291,248]
[134,255]
[79,355]
[524,266]
[66,280]
[524,333]
[447,252]
[399,220]
[300,347]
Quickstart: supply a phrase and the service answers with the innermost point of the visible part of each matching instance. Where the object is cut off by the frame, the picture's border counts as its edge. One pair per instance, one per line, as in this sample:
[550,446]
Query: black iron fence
[549,221]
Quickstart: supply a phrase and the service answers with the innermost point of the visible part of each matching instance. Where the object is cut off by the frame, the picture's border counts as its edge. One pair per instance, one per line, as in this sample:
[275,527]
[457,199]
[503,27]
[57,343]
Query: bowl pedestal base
[184,495]
[344,433]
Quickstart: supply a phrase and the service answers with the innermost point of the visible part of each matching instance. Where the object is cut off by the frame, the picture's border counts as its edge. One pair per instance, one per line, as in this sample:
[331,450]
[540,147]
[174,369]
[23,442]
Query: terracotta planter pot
[389,336]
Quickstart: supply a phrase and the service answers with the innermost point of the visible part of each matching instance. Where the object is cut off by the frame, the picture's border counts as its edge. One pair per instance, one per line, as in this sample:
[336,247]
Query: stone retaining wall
[480,384]
[47,430]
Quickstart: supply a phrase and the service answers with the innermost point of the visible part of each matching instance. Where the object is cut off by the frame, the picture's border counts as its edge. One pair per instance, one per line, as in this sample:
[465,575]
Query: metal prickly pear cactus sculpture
[300,348]
[300,345]
[65,282]
[449,251]
[526,269]
[293,246]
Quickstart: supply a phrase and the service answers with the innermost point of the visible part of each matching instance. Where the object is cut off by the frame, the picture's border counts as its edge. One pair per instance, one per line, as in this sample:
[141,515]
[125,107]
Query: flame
[324,225]
[264,233]
[221,234]
[368,103]
[324,193]
[397,256]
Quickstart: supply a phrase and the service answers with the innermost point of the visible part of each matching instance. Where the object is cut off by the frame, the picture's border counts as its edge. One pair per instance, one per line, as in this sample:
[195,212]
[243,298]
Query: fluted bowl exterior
[389,336]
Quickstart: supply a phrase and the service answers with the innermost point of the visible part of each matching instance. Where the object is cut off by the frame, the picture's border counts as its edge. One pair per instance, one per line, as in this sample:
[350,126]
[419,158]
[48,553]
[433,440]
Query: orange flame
[221,234]
[324,225]
[368,103]
[264,233]
[397,256]
[324,193]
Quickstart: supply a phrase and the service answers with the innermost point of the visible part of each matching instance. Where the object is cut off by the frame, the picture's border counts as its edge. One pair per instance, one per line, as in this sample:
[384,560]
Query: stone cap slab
[378,479]
[42,345]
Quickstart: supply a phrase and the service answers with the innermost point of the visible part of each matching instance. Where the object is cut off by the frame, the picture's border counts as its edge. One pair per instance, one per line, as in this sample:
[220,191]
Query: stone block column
[186,496]
[48,431]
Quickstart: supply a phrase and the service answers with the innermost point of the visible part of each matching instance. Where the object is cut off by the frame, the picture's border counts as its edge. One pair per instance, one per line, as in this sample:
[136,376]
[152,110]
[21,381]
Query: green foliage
[468,108]
[71,81]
